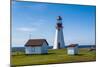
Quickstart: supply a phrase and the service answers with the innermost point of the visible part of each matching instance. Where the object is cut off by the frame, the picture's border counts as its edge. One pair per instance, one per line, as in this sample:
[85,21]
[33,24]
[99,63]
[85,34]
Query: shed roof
[72,45]
[35,42]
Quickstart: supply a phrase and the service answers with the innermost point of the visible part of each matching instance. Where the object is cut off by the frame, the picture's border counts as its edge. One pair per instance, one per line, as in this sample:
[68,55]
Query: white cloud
[41,6]
[25,29]
[39,23]
[35,6]
[19,41]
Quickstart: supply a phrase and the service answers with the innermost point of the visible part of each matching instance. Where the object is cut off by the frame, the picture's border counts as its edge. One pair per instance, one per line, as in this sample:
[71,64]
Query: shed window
[33,49]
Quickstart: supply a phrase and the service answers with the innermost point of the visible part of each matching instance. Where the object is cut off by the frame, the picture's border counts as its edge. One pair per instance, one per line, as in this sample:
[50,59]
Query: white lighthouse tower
[59,38]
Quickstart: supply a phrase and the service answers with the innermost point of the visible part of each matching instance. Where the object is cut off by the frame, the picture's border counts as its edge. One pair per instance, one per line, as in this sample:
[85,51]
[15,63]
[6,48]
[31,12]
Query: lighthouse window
[59,25]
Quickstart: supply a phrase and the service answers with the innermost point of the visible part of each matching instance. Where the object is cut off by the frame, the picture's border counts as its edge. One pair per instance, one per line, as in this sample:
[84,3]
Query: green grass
[54,56]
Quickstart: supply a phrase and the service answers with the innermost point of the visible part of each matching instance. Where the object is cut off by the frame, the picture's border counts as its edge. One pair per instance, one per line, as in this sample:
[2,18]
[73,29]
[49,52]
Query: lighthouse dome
[59,18]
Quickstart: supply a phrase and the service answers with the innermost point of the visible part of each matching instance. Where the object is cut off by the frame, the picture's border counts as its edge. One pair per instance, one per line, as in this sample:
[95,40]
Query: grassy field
[54,56]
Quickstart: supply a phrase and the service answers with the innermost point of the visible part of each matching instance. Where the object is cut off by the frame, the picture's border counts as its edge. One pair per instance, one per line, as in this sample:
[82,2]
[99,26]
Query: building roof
[72,45]
[35,42]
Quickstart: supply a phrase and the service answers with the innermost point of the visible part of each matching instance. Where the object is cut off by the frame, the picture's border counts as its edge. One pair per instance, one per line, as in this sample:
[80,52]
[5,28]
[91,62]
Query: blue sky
[39,20]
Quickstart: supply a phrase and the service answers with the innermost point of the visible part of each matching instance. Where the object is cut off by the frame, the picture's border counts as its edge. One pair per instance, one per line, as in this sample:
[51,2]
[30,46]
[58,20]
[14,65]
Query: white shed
[72,49]
[36,46]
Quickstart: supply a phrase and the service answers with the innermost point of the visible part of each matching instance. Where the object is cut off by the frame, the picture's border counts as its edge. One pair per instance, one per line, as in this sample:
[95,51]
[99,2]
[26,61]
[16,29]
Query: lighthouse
[59,38]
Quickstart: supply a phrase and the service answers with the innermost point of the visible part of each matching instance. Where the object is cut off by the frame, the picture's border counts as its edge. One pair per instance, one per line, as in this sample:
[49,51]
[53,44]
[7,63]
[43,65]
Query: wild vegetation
[53,57]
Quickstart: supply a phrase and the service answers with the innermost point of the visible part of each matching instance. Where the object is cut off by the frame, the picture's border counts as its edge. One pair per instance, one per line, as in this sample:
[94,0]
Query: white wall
[72,50]
[44,48]
[76,50]
[33,50]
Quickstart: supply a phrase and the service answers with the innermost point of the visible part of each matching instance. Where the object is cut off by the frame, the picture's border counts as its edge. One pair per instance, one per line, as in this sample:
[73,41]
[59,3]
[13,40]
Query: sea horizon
[52,45]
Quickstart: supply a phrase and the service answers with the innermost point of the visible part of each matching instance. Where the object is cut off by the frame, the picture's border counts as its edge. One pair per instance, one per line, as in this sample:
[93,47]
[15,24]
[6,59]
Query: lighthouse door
[58,45]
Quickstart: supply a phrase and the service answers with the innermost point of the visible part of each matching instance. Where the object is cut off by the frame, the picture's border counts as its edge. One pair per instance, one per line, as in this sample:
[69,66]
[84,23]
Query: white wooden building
[72,49]
[36,46]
